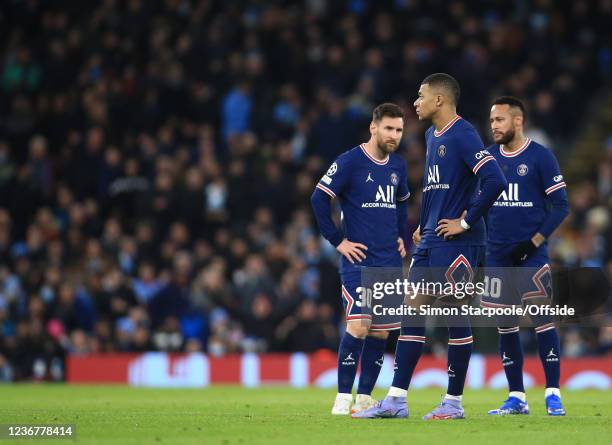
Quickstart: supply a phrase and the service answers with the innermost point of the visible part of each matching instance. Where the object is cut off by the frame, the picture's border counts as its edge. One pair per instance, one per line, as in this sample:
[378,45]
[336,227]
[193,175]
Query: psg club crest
[394,178]
[332,169]
[441,151]
[522,170]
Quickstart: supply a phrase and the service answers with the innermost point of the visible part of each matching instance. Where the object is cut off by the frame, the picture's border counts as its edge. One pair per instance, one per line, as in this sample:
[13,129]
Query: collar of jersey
[371,158]
[511,154]
[446,127]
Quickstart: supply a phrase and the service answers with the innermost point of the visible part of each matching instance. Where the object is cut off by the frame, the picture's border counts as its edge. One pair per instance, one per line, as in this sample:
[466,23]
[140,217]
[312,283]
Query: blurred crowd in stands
[157,157]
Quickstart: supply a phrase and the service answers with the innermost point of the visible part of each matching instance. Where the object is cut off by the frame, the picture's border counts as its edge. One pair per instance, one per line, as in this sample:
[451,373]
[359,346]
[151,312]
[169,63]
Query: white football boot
[363,402]
[342,404]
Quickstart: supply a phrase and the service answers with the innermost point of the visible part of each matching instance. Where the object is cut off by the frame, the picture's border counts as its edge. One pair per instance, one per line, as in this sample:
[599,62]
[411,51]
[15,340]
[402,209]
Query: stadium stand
[156,158]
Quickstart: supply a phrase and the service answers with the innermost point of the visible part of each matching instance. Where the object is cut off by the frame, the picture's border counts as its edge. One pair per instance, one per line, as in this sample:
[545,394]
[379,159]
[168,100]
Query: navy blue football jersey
[455,154]
[368,190]
[533,174]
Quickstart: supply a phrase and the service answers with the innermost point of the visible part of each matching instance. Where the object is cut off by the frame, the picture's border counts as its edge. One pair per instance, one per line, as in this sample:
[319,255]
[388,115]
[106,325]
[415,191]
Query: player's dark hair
[446,82]
[387,110]
[511,101]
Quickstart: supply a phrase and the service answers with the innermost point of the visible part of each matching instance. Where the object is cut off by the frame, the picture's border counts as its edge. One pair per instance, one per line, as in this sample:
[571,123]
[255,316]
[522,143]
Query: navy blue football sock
[511,353]
[550,354]
[372,358]
[459,352]
[407,353]
[348,359]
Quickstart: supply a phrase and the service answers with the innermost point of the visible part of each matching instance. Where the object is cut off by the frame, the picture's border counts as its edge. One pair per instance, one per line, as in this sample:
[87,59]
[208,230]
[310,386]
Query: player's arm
[492,183]
[321,206]
[332,183]
[403,193]
[559,210]
[554,187]
[416,236]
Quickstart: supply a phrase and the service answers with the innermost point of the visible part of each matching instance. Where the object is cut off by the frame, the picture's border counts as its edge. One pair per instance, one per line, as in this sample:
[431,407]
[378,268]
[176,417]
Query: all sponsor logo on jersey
[510,197]
[385,195]
[394,178]
[385,198]
[441,151]
[522,170]
[433,175]
[558,178]
[433,179]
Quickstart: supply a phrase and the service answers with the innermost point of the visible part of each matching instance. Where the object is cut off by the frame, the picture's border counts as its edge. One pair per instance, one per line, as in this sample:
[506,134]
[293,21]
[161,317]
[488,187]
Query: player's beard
[506,137]
[385,147]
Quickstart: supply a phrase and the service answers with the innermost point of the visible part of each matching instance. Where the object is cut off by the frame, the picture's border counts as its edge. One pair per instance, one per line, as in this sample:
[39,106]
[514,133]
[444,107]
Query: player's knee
[417,300]
[418,331]
[358,329]
[507,321]
[543,325]
[382,335]
[541,321]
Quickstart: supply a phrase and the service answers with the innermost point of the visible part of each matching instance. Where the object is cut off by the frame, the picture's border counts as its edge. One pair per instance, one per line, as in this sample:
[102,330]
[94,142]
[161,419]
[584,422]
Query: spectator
[154,184]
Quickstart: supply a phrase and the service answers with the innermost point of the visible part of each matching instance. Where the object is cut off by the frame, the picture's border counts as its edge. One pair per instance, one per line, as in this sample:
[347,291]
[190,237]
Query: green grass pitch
[232,415]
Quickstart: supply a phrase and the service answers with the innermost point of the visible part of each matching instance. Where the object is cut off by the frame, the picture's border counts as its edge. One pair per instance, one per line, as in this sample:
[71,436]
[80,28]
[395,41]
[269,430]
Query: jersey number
[492,287]
[365,297]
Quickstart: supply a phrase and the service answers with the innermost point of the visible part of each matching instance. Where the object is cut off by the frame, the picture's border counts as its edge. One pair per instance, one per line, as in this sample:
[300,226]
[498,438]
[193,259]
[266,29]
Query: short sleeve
[403,192]
[336,178]
[473,152]
[550,173]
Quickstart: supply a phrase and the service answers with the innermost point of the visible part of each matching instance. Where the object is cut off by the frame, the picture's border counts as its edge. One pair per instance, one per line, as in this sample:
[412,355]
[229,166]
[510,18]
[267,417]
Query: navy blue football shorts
[507,286]
[361,303]
[445,271]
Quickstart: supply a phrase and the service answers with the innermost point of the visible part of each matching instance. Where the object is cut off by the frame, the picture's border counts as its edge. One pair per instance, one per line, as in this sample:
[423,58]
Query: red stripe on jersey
[326,190]
[482,162]
[511,154]
[552,188]
[373,159]
[446,127]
